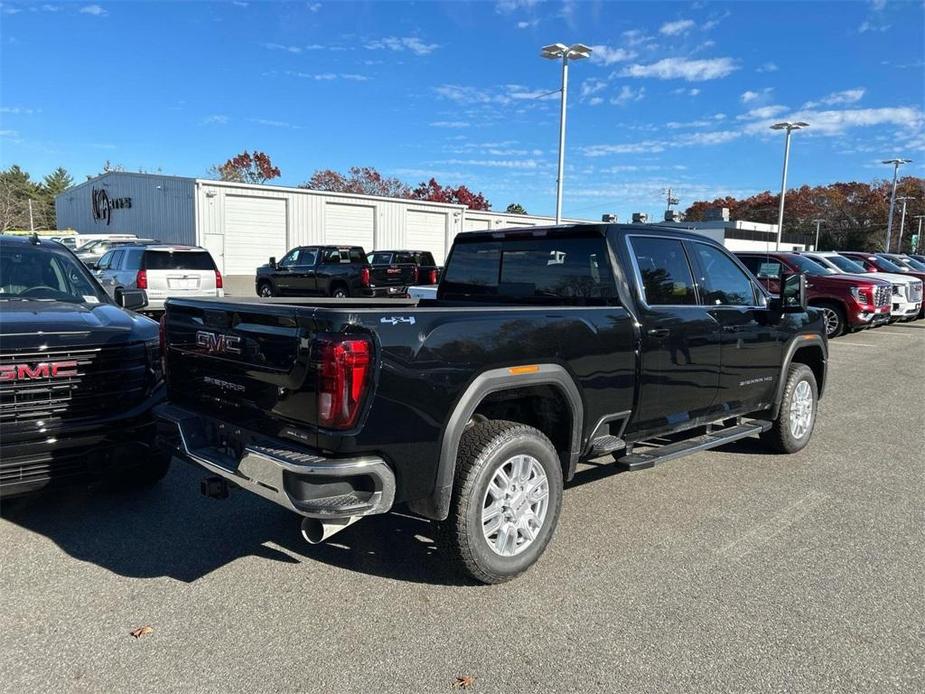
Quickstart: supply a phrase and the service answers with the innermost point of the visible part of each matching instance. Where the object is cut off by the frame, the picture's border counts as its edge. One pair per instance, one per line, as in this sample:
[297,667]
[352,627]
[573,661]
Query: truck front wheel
[506,500]
[796,418]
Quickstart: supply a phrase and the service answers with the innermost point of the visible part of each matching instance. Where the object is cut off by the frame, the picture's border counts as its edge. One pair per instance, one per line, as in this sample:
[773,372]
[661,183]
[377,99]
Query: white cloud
[848,96]
[327,76]
[636,37]
[750,96]
[592,86]
[762,112]
[681,26]
[94,10]
[238,3]
[877,5]
[872,26]
[527,24]
[713,23]
[17,110]
[282,47]
[682,68]
[768,67]
[353,77]
[8,133]
[656,146]
[403,43]
[834,122]
[684,91]
[495,163]
[508,6]
[699,123]
[627,95]
[217,119]
[313,6]
[274,123]
[595,101]
[449,124]
[605,55]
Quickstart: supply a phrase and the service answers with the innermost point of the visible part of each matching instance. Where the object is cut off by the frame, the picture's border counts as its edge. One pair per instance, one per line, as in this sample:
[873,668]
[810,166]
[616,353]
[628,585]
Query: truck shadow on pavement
[170,530]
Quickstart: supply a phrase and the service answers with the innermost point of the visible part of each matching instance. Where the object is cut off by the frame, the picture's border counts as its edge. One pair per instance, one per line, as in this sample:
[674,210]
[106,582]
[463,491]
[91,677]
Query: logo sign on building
[102,205]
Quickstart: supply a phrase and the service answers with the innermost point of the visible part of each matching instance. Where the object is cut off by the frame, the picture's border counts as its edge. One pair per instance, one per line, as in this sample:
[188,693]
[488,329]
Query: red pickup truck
[848,302]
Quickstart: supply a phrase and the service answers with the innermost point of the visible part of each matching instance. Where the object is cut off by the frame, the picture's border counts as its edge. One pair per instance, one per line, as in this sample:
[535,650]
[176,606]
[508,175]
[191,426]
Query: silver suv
[162,270]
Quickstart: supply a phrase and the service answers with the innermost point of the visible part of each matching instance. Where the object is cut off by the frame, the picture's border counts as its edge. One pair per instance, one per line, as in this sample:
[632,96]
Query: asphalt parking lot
[729,570]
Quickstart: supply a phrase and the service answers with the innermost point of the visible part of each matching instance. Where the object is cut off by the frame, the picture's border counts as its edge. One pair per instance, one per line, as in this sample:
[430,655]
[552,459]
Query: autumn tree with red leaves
[247,168]
[364,180]
[461,195]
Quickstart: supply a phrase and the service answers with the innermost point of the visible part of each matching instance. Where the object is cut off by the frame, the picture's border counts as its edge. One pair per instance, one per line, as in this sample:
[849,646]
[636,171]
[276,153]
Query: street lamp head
[897,161]
[554,51]
[789,125]
[578,51]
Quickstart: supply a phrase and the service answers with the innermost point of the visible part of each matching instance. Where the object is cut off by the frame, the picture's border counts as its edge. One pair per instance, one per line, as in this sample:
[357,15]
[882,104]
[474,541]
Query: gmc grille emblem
[216,343]
[42,370]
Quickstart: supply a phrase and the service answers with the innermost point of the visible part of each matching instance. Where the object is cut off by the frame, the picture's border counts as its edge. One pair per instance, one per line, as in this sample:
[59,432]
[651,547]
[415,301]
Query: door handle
[659,332]
[732,328]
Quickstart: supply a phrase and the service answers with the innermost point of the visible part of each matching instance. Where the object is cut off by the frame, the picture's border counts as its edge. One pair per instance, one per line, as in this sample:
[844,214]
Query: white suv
[163,270]
[907,291]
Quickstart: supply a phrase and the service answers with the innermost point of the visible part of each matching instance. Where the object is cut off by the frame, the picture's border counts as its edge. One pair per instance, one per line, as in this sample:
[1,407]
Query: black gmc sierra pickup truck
[543,348]
[79,375]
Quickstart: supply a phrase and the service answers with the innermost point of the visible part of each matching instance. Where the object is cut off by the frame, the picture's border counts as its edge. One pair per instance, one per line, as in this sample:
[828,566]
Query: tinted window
[379,258]
[290,258]
[132,260]
[116,261]
[405,259]
[178,260]
[723,281]
[427,259]
[665,273]
[103,263]
[37,274]
[566,270]
[357,255]
[804,264]
[306,256]
[846,264]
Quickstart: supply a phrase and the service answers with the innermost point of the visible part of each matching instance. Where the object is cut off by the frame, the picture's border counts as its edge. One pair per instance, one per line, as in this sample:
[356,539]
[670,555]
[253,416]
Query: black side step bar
[647,459]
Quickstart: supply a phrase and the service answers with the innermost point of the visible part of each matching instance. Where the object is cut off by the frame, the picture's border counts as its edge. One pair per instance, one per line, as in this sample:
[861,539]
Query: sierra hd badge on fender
[217,343]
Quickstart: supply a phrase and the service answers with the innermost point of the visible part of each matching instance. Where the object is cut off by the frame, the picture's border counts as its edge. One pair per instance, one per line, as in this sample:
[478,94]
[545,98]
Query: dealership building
[242,225]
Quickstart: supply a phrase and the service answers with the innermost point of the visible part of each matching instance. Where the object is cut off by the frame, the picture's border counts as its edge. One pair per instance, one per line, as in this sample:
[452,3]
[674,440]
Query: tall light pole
[789,127]
[902,224]
[559,51]
[818,222]
[918,238]
[889,220]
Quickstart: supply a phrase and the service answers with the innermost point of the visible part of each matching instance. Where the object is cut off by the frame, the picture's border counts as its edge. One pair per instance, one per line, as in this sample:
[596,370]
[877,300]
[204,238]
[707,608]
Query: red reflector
[364,276]
[432,277]
[219,283]
[141,279]
[343,377]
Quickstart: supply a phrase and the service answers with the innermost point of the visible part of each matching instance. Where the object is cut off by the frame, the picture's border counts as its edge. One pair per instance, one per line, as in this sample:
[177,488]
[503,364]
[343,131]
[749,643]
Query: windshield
[846,264]
[886,265]
[88,246]
[914,264]
[810,267]
[824,263]
[34,273]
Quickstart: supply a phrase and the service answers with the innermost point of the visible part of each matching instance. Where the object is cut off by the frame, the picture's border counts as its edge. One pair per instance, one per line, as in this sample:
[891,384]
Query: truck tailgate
[392,275]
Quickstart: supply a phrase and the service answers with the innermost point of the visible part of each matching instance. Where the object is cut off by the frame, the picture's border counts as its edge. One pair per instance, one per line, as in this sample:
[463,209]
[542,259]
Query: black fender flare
[437,505]
[795,343]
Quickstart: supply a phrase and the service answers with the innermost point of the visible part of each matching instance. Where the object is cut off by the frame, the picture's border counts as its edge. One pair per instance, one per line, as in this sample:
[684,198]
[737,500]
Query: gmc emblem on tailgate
[45,369]
[216,343]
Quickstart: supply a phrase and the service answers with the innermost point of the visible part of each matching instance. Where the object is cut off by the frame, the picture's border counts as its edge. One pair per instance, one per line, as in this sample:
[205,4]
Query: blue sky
[676,94]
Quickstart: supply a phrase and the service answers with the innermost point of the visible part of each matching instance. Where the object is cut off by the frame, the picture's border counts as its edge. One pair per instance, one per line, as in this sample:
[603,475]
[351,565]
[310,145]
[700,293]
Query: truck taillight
[417,274]
[219,282]
[364,276]
[141,279]
[432,276]
[343,379]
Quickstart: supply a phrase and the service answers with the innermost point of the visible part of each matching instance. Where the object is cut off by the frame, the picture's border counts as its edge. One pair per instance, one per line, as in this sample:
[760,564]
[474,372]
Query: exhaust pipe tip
[316,531]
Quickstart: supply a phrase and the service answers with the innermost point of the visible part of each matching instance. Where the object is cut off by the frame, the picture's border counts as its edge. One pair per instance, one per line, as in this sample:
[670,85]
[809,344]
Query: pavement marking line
[852,344]
[775,525]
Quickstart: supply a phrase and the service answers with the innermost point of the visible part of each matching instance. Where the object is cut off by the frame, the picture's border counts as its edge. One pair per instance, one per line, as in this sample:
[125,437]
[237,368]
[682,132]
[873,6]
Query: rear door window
[116,261]
[178,260]
[663,271]
[722,281]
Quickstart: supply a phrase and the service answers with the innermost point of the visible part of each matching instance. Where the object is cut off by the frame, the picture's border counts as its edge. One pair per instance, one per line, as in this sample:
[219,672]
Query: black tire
[834,317]
[781,437]
[484,449]
[145,474]
[265,289]
[339,291]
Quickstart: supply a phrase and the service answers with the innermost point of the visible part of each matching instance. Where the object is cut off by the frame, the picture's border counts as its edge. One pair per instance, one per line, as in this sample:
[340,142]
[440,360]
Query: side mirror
[792,298]
[132,299]
[272,262]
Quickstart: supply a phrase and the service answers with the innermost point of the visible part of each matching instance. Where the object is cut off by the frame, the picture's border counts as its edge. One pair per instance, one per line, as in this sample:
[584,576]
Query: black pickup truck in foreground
[544,347]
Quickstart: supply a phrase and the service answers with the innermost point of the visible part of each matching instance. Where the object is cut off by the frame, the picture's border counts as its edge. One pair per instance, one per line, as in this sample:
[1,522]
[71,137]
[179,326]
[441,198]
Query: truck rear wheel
[506,500]
[796,418]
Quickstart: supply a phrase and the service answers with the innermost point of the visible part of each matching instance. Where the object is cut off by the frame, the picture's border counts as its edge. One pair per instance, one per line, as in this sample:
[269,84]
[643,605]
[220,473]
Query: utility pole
[902,223]
[31,223]
[818,222]
[918,235]
[889,220]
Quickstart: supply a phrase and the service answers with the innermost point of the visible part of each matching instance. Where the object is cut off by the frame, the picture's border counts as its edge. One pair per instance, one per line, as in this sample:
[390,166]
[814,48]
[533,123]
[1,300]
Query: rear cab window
[571,271]
[178,260]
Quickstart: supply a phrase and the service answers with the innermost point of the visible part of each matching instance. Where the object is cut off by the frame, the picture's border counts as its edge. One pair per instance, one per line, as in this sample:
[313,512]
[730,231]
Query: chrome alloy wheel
[266,290]
[801,410]
[515,505]
[832,321]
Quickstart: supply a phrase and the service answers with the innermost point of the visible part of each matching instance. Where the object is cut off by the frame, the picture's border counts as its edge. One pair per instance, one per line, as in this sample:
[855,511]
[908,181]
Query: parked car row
[853,290]
[345,271]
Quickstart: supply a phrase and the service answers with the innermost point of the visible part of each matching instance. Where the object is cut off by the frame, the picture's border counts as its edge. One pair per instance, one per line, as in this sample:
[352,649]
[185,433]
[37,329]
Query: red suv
[849,302]
[887,262]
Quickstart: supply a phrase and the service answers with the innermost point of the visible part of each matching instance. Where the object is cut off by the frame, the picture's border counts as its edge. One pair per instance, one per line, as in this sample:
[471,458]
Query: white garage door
[255,229]
[426,231]
[510,224]
[349,225]
[476,224]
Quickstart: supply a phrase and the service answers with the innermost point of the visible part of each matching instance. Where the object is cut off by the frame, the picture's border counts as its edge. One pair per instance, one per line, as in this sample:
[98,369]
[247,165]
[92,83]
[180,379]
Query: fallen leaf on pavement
[464,681]
[142,631]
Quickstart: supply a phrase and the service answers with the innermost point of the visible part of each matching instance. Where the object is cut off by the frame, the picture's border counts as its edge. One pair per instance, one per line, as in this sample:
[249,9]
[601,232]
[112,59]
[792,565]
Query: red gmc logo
[45,369]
